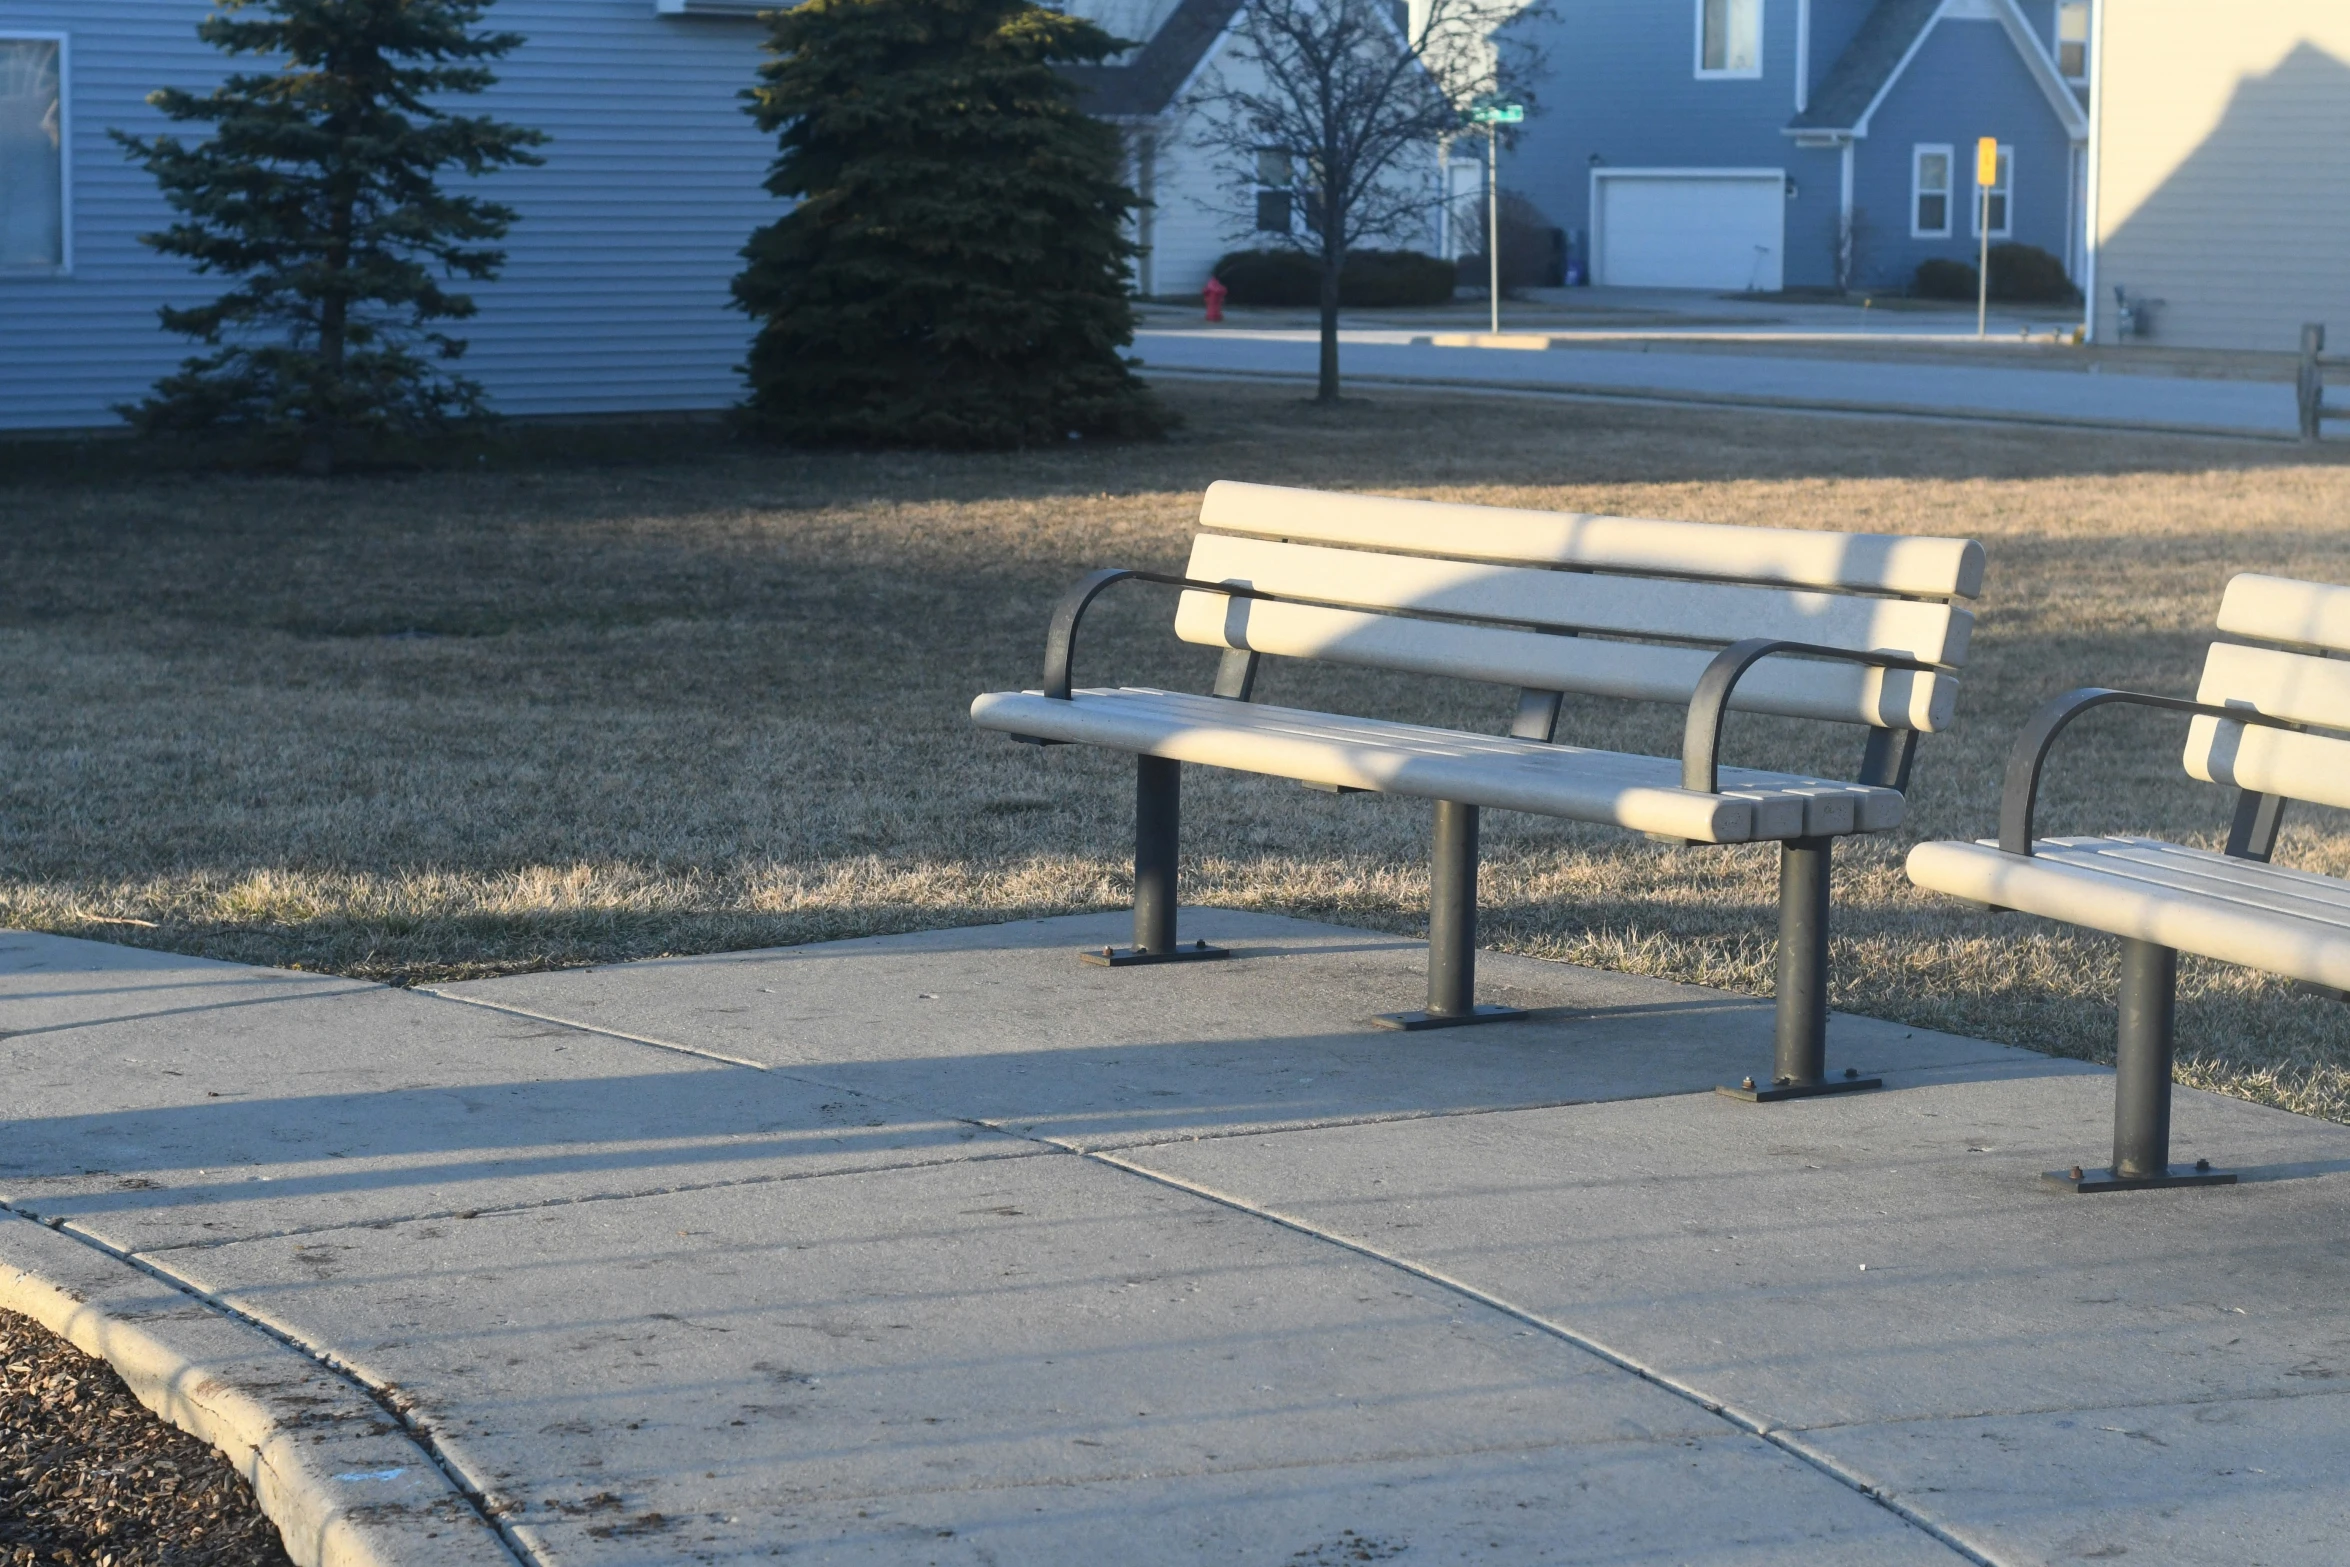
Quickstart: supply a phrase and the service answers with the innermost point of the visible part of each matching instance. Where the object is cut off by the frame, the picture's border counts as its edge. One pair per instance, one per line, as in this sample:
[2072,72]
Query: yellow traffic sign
[1987,161]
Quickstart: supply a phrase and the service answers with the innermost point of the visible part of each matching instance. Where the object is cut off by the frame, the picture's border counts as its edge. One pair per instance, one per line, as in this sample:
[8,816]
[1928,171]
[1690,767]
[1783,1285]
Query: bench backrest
[1560,601]
[2291,680]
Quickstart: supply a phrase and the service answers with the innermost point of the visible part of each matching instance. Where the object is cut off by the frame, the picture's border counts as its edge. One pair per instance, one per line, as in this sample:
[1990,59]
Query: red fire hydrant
[1214,294]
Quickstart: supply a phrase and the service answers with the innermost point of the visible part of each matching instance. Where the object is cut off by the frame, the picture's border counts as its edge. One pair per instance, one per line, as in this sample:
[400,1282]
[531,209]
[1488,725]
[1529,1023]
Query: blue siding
[1622,86]
[614,297]
[1965,82]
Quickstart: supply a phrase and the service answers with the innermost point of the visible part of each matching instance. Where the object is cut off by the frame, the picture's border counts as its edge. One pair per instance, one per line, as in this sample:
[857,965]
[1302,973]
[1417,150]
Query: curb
[344,1484]
[1605,393]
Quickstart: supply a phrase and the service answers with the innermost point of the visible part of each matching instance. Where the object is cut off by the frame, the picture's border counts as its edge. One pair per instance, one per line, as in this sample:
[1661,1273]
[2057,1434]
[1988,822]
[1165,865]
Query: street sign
[1987,161]
[1499,114]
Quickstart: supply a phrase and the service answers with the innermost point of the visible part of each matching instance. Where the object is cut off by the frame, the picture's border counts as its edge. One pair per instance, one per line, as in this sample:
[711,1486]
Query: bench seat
[1642,793]
[2241,911]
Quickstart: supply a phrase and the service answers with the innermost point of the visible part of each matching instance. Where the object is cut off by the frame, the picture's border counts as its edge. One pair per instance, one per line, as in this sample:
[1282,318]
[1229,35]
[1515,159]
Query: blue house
[615,296]
[1768,144]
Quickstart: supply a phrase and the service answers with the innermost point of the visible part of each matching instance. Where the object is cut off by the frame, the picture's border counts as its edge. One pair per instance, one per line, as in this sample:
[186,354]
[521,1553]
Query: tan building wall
[2222,136]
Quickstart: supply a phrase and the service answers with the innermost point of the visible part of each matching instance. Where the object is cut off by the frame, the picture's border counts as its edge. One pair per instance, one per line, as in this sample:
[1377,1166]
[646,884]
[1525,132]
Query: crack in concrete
[213,1242]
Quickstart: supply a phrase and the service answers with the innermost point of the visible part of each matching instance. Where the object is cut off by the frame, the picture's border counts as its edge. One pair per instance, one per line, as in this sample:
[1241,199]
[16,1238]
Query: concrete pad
[1475,1295]
[1038,1360]
[1002,1023]
[263,1102]
[1882,1280]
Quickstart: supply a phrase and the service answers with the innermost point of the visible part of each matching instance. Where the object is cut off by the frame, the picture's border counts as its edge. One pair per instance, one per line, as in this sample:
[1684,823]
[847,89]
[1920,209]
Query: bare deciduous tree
[1357,97]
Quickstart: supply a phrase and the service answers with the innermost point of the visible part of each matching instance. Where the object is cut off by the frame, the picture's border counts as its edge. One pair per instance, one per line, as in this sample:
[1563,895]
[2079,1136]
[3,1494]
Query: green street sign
[1499,114]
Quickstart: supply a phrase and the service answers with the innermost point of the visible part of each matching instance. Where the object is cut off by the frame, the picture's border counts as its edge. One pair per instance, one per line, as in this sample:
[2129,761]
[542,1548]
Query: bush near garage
[1941,278]
[2020,274]
[1369,278]
[2029,275]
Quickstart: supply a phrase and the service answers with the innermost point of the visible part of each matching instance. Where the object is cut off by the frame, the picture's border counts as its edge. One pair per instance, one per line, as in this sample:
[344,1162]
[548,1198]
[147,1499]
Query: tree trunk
[1332,259]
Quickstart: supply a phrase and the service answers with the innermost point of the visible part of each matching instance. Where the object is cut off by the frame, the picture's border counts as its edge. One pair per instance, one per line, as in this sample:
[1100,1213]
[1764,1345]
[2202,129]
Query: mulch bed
[89,1478]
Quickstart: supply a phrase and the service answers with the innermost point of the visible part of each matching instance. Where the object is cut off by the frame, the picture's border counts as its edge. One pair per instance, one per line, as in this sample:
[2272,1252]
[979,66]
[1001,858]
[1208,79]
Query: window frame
[1727,74]
[1286,189]
[64,264]
[2004,190]
[2080,8]
[1917,157]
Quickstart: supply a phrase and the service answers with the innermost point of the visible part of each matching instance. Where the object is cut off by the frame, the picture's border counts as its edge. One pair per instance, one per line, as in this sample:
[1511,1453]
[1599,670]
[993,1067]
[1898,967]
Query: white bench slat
[2269,761]
[1629,606]
[2102,884]
[1637,671]
[1794,557]
[2305,689]
[1637,792]
[2276,888]
[2282,609]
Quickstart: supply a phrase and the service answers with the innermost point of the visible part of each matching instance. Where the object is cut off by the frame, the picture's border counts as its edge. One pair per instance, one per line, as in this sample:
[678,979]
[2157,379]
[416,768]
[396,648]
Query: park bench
[2252,729]
[1848,628]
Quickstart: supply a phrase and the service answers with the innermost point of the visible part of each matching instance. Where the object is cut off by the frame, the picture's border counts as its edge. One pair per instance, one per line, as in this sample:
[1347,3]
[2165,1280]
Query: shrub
[1394,277]
[2030,275]
[1941,278]
[1271,277]
[1369,278]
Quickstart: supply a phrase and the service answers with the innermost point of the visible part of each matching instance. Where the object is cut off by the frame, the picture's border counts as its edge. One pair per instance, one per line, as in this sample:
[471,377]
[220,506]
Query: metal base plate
[1413,1022]
[2104,1180]
[1772,1093]
[1129,957]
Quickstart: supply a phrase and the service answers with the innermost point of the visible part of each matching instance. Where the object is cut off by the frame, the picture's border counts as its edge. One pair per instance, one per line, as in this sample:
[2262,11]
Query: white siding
[615,294]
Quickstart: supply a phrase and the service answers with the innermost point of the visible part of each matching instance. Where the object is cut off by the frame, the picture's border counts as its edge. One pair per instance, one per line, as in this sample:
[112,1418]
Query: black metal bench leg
[1799,1068]
[1452,929]
[2141,1084]
[1158,840]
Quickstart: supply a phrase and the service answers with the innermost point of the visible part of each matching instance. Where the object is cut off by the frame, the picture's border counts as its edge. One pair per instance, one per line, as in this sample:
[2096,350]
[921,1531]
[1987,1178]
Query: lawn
[568,708]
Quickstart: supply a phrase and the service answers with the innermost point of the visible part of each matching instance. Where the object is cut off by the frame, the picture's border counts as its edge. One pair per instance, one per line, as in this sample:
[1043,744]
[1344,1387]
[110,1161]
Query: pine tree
[955,270]
[319,191]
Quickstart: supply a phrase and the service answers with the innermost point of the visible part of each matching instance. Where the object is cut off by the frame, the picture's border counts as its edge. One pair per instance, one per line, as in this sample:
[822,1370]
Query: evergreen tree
[319,191]
[954,271]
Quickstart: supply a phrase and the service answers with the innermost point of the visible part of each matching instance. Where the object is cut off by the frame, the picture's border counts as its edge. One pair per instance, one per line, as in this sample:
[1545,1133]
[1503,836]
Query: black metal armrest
[1060,642]
[1701,740]
[2021,792]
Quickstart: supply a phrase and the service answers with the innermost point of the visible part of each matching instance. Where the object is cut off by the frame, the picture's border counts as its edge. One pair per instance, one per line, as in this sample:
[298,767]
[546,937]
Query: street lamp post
[1493,116]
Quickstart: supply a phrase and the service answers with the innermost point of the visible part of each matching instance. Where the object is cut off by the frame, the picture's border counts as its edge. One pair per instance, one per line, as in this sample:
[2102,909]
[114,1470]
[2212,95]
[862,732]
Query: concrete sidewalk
[1760,378]
[948,1248]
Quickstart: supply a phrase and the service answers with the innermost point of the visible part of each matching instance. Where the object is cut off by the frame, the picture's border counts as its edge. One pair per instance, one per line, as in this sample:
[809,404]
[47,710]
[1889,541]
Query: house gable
[1873,63]
[1147,83]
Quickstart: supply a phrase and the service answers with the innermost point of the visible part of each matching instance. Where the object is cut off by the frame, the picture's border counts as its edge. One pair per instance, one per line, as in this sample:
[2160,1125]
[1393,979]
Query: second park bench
[1857,629]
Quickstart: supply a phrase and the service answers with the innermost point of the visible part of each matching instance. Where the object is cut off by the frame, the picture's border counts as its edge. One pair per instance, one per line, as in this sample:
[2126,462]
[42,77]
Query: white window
[1729,37]
[1999,203]
[1276,190]
[1929,192]
[2072,39]
[32,154]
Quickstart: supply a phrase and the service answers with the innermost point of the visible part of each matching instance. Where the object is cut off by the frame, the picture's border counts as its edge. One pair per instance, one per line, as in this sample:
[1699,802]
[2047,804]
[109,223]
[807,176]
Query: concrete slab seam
[1751,1425]
[326,1470]
[1737,401]
[323,1522]
[590,1028]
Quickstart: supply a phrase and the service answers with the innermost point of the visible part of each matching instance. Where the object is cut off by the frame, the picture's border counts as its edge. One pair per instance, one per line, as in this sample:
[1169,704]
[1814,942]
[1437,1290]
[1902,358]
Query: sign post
[1986,176]
[1493,116]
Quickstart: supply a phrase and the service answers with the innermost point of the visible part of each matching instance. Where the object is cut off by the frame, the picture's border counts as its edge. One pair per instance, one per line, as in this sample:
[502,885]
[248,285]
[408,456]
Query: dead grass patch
[456,724]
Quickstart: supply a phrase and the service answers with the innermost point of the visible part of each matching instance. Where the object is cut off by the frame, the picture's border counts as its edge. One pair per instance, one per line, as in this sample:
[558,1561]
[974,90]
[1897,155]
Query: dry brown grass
[557,712]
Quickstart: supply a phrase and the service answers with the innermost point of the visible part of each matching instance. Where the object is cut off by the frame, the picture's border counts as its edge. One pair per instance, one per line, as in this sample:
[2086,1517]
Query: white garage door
[1723,229]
